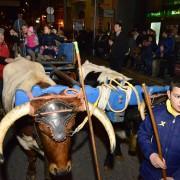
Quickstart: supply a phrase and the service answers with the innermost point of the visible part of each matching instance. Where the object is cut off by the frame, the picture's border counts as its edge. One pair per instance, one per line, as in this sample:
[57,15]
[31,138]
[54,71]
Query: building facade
[104,13]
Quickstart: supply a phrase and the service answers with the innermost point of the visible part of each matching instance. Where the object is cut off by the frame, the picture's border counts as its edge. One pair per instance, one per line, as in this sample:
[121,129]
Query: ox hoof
[107,168]
[109,162]
[1,159]
[120,157]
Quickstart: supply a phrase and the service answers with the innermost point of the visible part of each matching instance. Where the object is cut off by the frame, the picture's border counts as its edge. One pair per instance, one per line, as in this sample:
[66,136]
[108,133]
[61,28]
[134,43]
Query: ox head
[54,120]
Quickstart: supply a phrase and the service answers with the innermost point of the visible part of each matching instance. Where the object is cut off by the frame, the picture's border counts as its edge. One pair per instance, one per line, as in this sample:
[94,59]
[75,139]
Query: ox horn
[8,120]
[102,117]
[142,110]
[104,120]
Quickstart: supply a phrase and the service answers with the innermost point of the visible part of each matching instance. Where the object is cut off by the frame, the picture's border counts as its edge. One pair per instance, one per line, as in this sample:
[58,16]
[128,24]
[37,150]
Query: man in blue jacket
[167,118]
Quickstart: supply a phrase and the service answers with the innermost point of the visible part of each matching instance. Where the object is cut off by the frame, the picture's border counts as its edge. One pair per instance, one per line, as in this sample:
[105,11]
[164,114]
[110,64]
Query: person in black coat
[48,42]
[118,44]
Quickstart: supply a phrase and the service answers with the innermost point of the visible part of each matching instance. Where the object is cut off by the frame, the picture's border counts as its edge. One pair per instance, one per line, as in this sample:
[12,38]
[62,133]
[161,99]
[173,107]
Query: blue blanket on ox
[117,99]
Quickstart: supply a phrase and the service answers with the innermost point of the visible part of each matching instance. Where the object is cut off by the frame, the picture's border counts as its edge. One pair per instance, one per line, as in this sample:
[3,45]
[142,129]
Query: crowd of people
[152,58]
[22,39]
[28,41]
[140,50]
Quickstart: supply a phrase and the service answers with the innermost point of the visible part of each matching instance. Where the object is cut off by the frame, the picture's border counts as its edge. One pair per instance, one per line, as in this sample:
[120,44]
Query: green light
[177,12]
[167,13]
[174,2]
[154,14]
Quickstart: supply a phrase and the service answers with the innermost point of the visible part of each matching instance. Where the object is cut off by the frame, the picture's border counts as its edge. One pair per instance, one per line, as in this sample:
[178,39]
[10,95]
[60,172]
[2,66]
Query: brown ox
[53,117]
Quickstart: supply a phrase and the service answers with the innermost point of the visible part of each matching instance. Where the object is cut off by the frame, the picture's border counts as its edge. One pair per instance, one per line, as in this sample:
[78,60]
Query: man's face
[174,97]
[117,28]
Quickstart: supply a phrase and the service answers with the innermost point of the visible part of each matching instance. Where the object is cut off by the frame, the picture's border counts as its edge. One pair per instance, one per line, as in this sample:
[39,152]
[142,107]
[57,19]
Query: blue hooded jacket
[168,124]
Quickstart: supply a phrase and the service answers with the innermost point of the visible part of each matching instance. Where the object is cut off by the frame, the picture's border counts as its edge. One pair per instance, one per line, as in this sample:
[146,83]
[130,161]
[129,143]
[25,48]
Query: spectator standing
[161,54]
[19,22]
[167,117]
[4,58]
[15,41]
[118,44]
[24,31]
[171,53]
[4,52]
[147,55]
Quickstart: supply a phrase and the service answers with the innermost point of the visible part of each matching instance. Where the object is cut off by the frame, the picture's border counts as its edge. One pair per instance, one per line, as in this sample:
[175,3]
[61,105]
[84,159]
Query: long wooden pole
[88,112]
[64,76]
[148,102]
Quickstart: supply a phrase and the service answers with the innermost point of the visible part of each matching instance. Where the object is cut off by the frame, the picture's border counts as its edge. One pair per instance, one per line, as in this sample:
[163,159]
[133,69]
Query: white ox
[21,74]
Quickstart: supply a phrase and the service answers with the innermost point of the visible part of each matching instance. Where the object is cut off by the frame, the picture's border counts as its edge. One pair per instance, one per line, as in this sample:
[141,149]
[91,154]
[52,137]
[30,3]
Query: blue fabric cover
[66,50]
[117,99]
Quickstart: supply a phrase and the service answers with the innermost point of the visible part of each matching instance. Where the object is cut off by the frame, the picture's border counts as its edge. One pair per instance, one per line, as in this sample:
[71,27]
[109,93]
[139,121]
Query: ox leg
[132,144]
[132,126]
[118,152]
[110,158]
[109,161]
[46,170]
[31,170]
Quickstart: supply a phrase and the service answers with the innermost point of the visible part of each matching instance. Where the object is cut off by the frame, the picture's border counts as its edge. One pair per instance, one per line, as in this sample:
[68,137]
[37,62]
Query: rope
[126,89]
[104,94]
[80,126]
[103,98]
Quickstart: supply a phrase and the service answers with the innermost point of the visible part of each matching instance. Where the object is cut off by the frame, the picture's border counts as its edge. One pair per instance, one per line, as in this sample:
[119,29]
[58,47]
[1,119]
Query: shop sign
[108,13]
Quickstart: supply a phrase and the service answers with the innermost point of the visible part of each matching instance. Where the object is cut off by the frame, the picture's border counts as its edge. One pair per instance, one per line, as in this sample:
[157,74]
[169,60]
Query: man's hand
[156,161]
[110,42]
[9,60]
[168,178]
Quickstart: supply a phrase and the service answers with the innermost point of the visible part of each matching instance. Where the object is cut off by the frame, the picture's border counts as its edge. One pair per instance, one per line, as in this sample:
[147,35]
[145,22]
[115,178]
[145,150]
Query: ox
[121,102]
[51,116]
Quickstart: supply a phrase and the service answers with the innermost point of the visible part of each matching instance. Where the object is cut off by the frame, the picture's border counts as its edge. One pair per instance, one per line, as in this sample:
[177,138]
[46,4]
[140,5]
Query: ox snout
[54,170]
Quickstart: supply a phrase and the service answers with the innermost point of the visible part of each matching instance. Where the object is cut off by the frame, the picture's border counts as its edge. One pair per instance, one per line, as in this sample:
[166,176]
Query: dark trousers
[148,66]
[171,64]
[116,63]
[163,67]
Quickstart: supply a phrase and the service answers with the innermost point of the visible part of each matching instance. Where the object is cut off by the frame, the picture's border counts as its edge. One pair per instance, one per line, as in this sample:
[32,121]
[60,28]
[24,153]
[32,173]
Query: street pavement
[82,160]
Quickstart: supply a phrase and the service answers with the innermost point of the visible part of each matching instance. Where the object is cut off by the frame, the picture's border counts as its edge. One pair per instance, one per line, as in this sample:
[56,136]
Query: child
[32,43]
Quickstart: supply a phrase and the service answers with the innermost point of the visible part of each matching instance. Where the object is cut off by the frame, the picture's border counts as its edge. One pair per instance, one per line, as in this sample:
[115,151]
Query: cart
[63,63]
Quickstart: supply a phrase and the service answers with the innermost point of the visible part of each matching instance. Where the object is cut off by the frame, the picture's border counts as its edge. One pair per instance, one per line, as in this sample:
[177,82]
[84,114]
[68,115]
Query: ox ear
[9,119]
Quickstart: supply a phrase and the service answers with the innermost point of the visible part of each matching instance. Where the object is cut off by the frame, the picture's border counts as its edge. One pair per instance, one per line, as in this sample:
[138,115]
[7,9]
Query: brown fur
[57,153]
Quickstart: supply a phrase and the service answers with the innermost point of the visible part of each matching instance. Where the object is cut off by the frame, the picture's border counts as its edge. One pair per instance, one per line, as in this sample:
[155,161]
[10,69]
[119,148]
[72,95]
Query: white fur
[106,73]
[21,74]
[28,143]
